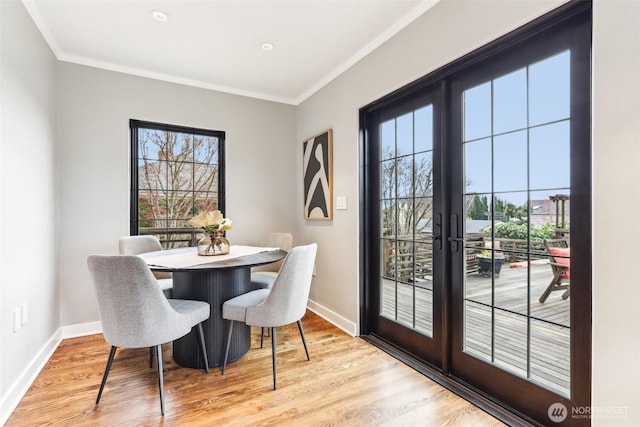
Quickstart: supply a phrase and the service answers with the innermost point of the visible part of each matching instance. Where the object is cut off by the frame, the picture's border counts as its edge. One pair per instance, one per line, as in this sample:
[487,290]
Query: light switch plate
[341,202]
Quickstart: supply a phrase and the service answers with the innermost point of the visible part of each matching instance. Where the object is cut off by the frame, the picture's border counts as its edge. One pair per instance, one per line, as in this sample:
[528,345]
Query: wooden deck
[504,323]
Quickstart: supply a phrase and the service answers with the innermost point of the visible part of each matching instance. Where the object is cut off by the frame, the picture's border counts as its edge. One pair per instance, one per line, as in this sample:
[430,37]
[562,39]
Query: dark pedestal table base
[214,287]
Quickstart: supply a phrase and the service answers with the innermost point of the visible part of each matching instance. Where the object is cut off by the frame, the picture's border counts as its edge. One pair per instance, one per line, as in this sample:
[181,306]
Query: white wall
[446,32]
[94,150]
[616,155]
[27,221]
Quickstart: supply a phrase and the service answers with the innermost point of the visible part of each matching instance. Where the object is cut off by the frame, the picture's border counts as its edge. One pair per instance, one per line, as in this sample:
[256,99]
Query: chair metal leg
[304,342]
[112,354]
[226,352]
[151,350]
[273,355]
[160,377]
[203,349]
[261,336]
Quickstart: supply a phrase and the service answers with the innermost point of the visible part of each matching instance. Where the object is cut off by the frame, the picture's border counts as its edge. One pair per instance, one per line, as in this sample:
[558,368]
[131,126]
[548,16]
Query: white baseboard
[19,388]
[16,392]
[81,329]
[332,317]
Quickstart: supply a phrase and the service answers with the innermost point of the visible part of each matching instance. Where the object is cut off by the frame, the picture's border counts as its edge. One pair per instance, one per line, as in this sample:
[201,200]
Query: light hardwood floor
[348,382]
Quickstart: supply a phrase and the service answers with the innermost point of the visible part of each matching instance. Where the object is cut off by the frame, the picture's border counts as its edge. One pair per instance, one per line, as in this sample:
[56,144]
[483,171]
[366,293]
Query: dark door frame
[576,17]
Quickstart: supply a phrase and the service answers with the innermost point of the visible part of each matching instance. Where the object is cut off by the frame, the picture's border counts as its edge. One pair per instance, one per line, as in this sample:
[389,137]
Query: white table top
[188,257]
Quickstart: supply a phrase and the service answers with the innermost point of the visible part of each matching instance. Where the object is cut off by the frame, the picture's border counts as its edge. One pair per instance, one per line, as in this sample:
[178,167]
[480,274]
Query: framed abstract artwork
[317,175]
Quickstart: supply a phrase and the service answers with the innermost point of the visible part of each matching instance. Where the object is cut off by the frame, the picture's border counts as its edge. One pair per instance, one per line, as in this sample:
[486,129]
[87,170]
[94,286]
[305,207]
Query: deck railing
[173,237]
[410,258]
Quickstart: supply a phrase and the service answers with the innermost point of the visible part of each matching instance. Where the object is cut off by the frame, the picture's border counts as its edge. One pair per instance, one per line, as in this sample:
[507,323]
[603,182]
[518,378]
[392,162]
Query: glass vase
[213,244]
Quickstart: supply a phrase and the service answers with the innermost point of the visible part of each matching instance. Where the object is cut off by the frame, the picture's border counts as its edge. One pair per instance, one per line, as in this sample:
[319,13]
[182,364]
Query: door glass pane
[477,112]
[388,140]
[477,157]
[549,146]
[404,176]
[510,162]
[404,134]
[549,89]
[517,202]
[510,102]
[423,129]
[388,179]
[406,194]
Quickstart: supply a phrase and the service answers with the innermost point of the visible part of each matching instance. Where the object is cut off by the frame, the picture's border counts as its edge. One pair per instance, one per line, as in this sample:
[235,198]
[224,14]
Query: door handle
[454,240]
[437,231]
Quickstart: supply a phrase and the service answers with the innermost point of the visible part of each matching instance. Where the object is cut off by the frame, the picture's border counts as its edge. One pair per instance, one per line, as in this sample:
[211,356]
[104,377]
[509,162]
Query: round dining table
[213,279]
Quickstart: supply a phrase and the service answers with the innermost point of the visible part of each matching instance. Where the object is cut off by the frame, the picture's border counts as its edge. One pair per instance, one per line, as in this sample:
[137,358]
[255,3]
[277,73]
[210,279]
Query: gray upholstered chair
[135,313]
[263,276]
[283,304]
[134,245]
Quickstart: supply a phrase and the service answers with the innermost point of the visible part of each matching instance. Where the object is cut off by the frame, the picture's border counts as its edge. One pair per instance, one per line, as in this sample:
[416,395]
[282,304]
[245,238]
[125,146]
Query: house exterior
[64,176]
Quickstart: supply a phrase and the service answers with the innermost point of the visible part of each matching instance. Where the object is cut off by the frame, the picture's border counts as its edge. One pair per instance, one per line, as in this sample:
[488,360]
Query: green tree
[479,208]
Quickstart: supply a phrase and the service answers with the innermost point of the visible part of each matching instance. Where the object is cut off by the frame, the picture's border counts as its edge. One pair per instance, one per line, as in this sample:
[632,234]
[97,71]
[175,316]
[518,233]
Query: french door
[406,236]
[469,174]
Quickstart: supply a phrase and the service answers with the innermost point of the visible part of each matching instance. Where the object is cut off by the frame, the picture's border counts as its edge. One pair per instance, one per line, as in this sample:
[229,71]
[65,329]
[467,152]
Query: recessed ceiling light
[159,15]
[267,46]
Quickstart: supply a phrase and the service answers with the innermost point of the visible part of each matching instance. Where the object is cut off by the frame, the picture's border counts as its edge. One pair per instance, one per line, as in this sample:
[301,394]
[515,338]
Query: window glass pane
[180,205]
[477,112]
[510,162]
[510,102]
[205,149]
[153,174]
[204,201]
[205,177]
[180,176]
[180,146]
[550,156]
[477,157]
[424,128]
[150,144]
[549,89]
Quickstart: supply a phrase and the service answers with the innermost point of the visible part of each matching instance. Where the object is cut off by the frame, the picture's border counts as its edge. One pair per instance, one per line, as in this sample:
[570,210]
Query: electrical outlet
[23,314]
[17,318]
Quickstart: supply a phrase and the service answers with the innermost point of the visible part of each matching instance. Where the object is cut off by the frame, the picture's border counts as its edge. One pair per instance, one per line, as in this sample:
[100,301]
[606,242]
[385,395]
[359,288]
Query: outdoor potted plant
[485,259]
